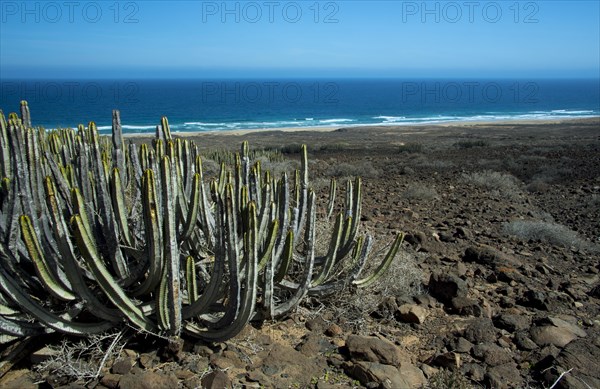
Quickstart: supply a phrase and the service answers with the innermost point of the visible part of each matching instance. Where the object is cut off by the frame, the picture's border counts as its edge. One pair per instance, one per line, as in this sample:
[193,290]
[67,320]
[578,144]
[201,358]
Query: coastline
[401,128]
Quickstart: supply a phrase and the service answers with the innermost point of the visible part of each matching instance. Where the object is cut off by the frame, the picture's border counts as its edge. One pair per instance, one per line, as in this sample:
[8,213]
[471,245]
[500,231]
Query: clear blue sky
[95,39]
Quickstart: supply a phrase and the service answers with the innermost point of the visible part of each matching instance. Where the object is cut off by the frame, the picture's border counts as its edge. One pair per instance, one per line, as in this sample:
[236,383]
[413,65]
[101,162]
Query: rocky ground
[497,285]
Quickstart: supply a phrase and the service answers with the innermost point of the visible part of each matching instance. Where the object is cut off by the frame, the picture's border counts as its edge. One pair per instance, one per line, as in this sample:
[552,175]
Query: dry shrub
[437,164]
[277,168]
[355,306]
[447,379]
[411,148]
[502,183]
[553,174]
[359,169]
[549,232]
[82,360]
[210,168]
[532,159]
[420,192]
[538,187]
[469,144]
[490,164]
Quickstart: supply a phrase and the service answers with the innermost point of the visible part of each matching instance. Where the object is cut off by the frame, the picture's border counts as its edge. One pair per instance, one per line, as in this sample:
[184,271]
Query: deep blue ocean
[209,105]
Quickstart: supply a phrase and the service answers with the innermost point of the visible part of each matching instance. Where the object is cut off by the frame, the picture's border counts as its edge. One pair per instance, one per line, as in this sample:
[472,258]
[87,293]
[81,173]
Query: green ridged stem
[152,226]
[105,280]
[191,280]
[118,203]
[70,264]
[383,266]
[166,129]
[193,210]
[42,269]
[25,115]
[329,260]
[332,193]
[169,298]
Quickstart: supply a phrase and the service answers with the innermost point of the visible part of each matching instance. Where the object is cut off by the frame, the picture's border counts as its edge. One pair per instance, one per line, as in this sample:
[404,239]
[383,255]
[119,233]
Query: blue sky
[200,39]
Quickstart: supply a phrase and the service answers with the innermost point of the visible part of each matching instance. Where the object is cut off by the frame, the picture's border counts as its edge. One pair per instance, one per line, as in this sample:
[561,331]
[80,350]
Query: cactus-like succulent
[95,234]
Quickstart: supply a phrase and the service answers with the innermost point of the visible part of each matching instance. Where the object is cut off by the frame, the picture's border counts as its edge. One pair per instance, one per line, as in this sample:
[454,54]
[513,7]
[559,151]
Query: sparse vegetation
[355,308]
[548,232]
[495,182]
[344,169]
[420,192]
[450,379]
[469,144]
[538,186]
[83,359]
[411,148]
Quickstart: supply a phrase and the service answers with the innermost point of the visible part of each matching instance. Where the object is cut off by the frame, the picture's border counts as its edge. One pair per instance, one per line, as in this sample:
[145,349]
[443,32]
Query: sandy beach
[381,136]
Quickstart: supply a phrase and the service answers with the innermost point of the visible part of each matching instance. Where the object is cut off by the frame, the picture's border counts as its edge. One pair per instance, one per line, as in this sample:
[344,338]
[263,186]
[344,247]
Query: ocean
[232,104]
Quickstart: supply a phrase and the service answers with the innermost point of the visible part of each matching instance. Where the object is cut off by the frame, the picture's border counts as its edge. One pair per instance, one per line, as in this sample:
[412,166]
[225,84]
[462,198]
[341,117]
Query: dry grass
[538,187]
[277,168]
[469,144]
[548,232]
[411,148]
[420,192]
[344,169]
[83,360]
[495,182]
[355,307]
[447,379]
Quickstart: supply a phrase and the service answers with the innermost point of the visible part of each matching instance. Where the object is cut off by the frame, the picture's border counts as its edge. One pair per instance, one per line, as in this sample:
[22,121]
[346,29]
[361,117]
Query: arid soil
[497,285]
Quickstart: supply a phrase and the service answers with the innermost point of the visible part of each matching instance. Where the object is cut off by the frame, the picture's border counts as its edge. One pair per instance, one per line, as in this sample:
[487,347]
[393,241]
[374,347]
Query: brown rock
[111,381]
[147,360]
[560,323]
[512,323]
[316,324]
[42,355]
[122,366]
[148,380]
[372,349]
[18,379]
[491,354]
[584,358]
[475,371]
[284,364]
[313,344]
[333,330]
[556,336]
[480,331]
[448,360]
[373,374]
[461,345]
[505,376]
[485,255]
[445,287]
[413,375]
[216,380]
[226,360]
[465,306]
[411,313]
